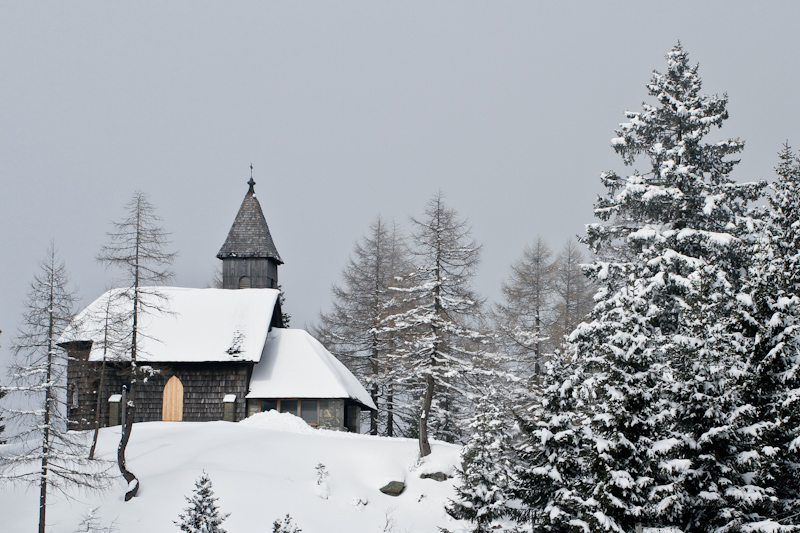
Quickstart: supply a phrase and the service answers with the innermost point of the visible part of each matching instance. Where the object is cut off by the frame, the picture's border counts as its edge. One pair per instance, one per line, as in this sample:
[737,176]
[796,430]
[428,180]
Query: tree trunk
[98,405]
[390,411]
[48,400]
[133,483]
[424,445]
[373,416]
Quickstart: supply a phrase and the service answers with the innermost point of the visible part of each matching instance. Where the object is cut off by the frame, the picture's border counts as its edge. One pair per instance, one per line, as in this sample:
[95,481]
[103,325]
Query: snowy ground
[261,468]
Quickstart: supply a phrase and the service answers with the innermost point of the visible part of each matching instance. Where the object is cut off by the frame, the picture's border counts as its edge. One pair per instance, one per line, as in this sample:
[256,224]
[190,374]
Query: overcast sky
[347,110]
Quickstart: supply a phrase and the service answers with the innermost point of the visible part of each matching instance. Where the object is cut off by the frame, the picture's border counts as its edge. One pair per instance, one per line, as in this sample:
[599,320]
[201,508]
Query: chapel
[210,354]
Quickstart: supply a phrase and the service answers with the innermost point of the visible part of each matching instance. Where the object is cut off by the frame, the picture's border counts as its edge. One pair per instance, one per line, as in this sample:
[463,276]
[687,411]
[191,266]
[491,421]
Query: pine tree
[772,308]
[44,452]
[439,340]
[137,246]
[486,472]
[356,328]
[662,349]
[202,514]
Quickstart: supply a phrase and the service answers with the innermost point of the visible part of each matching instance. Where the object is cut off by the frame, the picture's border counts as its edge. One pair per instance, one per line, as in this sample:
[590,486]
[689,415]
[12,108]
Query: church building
[211,354]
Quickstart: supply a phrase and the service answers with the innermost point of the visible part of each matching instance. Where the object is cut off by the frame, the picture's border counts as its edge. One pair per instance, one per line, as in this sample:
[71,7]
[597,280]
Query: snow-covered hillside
[261,469]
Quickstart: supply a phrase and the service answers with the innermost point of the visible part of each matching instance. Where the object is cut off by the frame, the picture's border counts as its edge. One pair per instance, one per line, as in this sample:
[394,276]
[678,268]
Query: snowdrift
[262,468]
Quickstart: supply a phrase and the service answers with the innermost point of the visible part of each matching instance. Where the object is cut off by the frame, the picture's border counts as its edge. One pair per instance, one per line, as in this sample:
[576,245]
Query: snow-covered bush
[202,515]
[286,525]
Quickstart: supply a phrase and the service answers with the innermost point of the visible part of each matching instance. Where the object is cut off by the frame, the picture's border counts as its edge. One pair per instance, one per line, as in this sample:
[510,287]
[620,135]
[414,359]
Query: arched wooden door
[172,404]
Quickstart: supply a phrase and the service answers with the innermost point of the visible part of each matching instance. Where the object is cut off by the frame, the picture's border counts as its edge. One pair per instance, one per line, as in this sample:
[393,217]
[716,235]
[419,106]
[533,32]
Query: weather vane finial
[251,183]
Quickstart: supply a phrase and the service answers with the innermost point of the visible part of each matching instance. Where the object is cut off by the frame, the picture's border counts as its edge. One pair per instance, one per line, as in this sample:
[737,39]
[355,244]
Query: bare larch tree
[439,340]
[137,246]
[43,452]
[356,329]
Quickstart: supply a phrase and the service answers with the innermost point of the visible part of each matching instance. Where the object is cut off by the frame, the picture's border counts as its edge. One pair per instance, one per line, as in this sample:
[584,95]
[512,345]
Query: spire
[249,235]
[251,183]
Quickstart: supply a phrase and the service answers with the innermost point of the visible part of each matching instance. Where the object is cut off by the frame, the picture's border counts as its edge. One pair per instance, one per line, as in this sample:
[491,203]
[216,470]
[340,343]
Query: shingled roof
[249,236]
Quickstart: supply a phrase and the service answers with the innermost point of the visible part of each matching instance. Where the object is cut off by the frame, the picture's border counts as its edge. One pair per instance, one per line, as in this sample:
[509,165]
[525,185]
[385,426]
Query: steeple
[249,257]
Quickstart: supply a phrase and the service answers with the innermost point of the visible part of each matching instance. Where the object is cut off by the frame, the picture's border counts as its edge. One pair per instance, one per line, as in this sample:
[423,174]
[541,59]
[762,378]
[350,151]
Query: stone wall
[331,414]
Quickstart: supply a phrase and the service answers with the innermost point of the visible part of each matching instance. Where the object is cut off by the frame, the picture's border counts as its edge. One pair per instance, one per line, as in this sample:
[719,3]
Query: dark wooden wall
[204,387]
[263,273]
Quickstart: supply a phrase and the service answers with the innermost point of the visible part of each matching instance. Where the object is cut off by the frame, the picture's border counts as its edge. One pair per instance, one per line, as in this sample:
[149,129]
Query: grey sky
[347,110]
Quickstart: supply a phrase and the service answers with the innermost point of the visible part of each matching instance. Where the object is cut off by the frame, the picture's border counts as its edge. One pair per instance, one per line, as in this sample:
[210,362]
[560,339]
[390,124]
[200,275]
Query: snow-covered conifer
[286,525]
[202,514]
[552,481]
[661,346]
[486,471]
[772,308]
[440,342]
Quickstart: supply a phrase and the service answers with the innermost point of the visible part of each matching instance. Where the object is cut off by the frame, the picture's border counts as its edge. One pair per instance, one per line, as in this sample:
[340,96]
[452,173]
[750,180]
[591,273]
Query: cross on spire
[251,183]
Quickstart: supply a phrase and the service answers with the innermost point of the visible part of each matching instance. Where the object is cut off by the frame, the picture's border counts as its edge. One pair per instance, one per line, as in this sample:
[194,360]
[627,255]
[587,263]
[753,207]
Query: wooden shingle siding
[263,273]
[204,387]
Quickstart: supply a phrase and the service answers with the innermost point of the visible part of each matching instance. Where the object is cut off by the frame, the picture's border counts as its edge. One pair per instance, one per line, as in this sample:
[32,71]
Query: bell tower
[249,257]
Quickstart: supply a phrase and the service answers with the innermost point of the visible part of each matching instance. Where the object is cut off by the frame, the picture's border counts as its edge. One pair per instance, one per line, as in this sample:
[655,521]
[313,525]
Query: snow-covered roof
[296,365]
[197,325]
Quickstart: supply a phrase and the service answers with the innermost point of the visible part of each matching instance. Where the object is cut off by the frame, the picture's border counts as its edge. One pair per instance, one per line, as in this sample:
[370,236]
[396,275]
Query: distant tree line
[407,320]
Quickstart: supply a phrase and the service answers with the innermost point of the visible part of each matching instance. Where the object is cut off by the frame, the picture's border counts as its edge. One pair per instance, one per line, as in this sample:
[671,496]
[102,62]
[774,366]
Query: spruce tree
[486,472]
[552,482]
[668,366]
[662,349]
[772,309]
[286,525]
[202,514]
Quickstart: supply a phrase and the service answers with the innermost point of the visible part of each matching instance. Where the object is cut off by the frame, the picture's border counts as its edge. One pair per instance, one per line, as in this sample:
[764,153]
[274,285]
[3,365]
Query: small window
[289,406]
[244,282]
[308,411]
[73,401]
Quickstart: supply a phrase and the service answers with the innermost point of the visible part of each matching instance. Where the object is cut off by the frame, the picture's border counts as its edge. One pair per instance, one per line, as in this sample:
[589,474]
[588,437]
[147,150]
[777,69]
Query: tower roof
[249,236]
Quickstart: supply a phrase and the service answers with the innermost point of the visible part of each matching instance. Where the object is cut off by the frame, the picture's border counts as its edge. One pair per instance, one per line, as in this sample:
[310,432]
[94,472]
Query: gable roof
[198,325]
[249,236]
[296,365]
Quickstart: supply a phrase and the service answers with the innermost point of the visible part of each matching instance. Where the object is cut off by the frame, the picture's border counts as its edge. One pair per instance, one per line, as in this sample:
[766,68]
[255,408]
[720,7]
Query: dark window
[308,411]
[289,406]
[351,418]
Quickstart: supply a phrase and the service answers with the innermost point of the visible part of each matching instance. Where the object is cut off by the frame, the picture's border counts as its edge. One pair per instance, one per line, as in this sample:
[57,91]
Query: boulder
[393,488]
[436,476]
